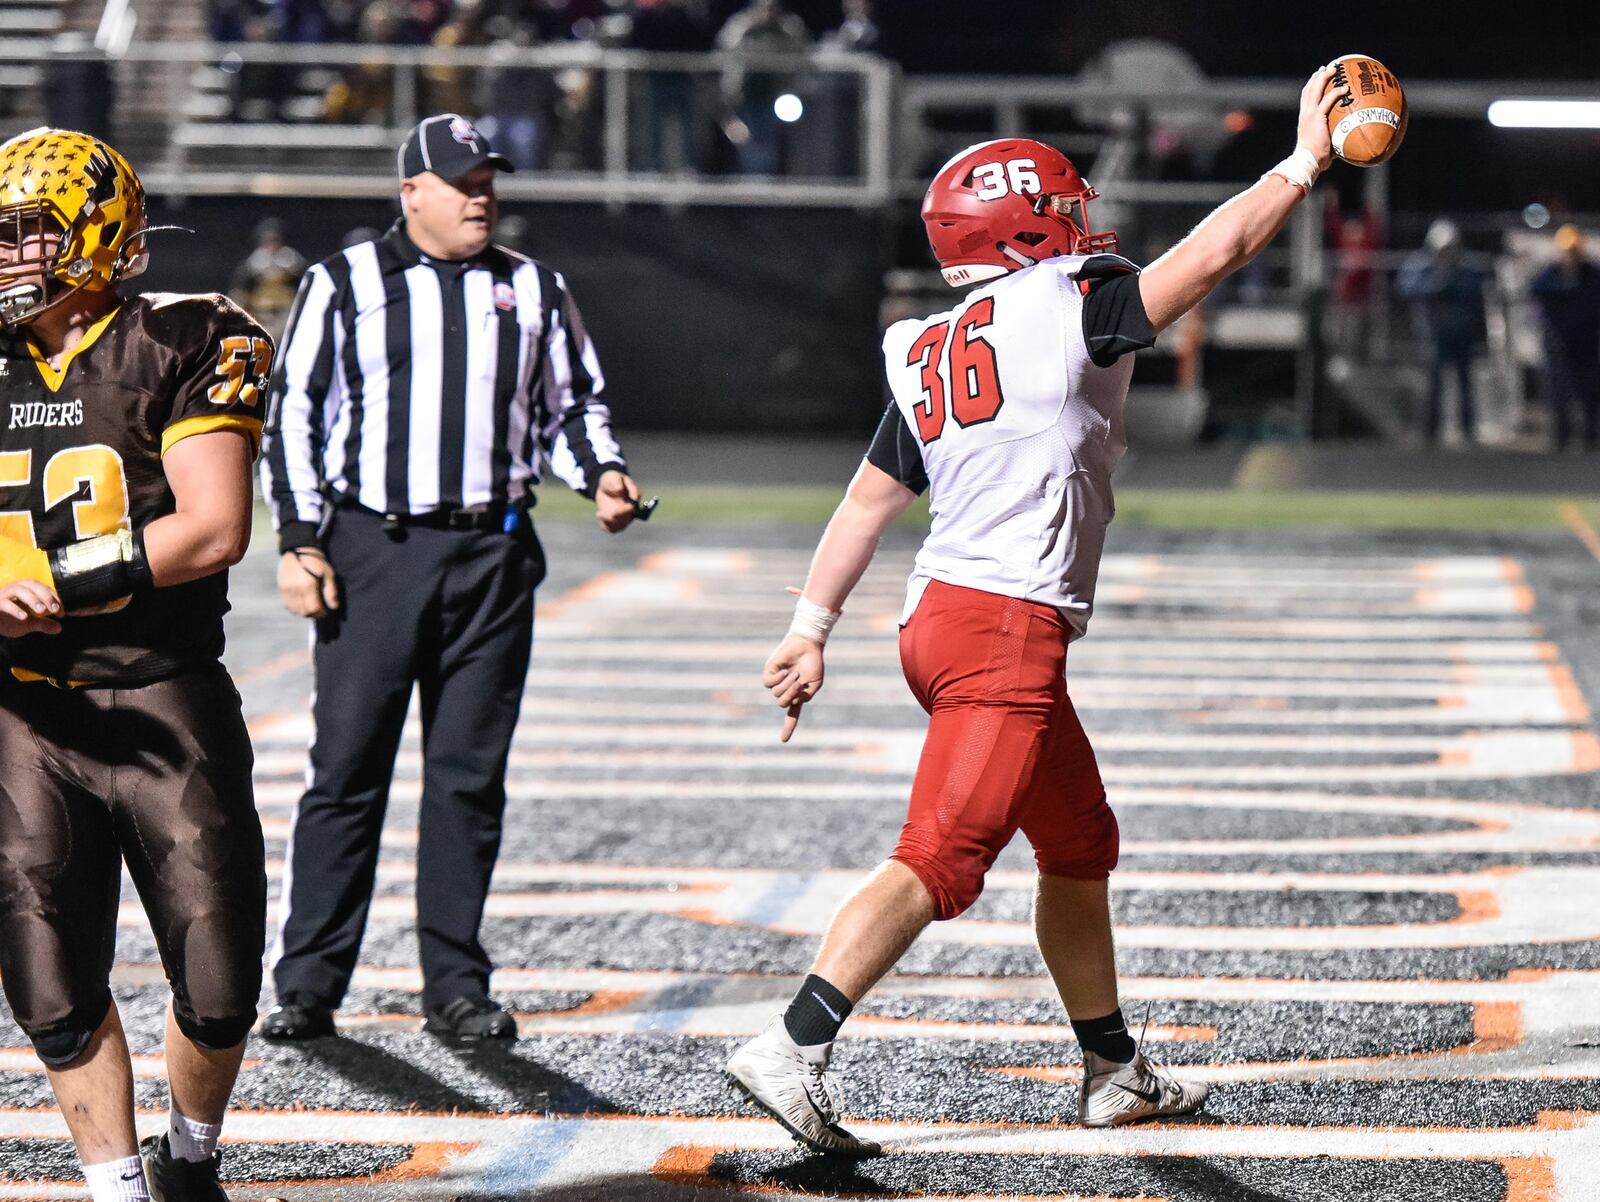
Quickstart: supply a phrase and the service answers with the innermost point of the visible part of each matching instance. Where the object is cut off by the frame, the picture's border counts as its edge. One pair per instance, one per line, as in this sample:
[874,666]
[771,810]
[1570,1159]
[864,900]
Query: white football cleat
[1113,1094]
[793,1085]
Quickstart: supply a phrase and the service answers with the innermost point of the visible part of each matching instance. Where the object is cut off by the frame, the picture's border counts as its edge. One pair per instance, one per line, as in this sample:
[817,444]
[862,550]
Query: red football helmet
[1004,205]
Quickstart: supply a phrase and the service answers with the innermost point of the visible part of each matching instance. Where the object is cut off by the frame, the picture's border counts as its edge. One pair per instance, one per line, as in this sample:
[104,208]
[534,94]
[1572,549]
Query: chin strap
[1015,255]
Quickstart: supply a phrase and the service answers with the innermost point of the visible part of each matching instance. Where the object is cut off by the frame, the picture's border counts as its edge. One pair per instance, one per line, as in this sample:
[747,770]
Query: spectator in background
[857,33]
[78,90]
[828,139]
[761,27]
[1567,294]
[225,19]
[518,102]
[1355,241]
[299,20]
[450,88]
[364,91]
[265,283]
[1447,298]
[260,88]
[671,130]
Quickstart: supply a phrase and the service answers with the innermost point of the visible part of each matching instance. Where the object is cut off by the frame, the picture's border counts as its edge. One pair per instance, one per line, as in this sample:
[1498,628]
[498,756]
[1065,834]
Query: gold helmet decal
[71,212]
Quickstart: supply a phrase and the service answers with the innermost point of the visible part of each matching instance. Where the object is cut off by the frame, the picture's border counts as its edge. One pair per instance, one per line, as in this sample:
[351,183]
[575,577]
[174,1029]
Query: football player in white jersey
[1007,410]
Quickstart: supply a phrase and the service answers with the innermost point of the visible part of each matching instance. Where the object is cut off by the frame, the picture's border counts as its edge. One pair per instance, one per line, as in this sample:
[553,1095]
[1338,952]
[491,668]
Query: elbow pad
[101,569]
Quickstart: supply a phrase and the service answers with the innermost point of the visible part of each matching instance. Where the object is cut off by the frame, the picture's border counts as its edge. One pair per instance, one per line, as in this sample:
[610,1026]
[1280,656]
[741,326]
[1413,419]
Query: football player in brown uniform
[128,425]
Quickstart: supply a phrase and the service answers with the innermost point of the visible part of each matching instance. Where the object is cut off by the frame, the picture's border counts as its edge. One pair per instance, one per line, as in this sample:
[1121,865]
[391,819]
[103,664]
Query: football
[1368,125]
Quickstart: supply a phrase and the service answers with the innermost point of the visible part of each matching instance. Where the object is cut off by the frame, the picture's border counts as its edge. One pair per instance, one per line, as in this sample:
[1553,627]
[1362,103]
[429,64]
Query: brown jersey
[80,455]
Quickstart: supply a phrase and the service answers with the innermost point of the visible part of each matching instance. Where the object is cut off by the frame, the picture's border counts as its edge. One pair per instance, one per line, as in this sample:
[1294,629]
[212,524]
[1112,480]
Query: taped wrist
[812,621]
[101,569]
[1300,168]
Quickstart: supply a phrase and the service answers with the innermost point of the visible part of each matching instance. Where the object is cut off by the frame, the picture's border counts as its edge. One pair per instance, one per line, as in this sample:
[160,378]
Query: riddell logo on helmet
[957,275]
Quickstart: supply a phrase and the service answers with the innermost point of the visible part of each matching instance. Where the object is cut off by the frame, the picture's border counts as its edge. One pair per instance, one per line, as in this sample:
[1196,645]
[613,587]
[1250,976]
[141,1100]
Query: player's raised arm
[1239,230]
[794,670]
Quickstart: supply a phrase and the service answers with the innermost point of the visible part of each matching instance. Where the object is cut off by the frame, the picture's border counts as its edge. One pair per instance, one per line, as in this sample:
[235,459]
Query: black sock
[1107,1037]
[817,1013]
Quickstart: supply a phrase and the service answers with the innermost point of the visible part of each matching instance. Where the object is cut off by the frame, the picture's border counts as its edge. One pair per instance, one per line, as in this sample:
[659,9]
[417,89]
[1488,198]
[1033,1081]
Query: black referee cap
[448,145]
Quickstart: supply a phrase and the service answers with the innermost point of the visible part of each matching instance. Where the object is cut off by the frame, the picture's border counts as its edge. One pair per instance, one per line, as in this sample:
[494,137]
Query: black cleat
[470,1020]
[297,1016]
[174,1180]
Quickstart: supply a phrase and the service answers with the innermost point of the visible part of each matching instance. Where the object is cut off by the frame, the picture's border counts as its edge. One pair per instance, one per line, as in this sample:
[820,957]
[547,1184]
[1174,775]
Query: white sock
[117,1181]
[190,1140]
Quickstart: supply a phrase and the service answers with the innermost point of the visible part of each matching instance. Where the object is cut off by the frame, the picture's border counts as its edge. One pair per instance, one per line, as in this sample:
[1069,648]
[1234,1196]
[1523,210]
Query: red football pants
[1004,751]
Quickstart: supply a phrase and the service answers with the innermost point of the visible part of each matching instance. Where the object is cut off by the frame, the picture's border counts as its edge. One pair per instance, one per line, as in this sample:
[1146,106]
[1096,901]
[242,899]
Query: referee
[424,377]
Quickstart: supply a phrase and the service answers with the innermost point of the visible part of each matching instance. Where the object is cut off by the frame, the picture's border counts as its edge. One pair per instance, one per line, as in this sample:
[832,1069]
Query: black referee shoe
[470,1020]
[297,1016]
[174,1180]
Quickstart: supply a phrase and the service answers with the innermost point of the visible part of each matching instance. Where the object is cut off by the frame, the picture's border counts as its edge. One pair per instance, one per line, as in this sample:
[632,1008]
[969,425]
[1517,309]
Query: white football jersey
[1018,430]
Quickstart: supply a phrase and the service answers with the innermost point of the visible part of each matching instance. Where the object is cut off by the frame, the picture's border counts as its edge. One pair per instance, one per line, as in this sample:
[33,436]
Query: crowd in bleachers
[727,119]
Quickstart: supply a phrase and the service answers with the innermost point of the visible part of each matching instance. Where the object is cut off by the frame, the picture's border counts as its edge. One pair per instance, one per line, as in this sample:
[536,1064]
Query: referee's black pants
[452,612]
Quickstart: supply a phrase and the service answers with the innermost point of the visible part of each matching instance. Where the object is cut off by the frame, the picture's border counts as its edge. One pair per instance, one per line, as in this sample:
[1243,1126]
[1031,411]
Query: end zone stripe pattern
[1357,786]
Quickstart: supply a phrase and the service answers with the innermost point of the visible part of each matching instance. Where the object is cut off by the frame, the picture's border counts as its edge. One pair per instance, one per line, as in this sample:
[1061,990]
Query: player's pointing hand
[793,675]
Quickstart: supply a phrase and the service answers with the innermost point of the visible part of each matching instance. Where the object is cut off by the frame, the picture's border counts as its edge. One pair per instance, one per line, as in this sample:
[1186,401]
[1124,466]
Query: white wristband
[1300,168]
[812,621]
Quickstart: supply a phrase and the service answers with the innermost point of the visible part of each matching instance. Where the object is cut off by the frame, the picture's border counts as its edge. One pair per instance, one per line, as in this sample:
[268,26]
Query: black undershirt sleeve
[1114,320]
[895,451]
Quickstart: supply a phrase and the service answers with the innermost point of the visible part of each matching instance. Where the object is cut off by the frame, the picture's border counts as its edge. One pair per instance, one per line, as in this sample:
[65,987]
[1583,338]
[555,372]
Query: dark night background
[1442,40]
[1461,166]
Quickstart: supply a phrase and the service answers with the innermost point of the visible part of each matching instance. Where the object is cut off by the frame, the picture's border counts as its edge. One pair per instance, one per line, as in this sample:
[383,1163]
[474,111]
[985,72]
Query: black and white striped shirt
[408,385]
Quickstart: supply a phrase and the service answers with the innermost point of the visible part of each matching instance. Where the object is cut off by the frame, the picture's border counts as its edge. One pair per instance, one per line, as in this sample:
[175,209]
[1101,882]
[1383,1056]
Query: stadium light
[788,108]
[1545,114]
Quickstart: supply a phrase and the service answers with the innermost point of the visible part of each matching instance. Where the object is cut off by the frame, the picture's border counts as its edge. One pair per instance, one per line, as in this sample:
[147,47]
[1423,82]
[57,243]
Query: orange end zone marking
[587,591]
[1585,751]
[426,1160]
[1530,1180]
[278,664]
[1573,706]
[1497,1027]
[1560,1120]
[1476,906]
[1579,525]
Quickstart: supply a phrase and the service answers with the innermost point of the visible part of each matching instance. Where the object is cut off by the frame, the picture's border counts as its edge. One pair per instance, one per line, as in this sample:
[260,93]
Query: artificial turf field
[1352,746]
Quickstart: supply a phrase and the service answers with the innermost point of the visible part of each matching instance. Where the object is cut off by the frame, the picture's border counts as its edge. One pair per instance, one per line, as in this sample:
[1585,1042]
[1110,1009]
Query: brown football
[1368,125]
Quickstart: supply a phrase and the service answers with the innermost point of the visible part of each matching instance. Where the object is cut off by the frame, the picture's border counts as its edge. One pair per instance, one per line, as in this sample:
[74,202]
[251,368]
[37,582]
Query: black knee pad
[215,1034]
[60,1043]
[60,1047]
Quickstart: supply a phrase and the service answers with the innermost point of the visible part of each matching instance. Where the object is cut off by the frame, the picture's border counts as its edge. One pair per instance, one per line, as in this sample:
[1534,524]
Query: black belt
[478,518]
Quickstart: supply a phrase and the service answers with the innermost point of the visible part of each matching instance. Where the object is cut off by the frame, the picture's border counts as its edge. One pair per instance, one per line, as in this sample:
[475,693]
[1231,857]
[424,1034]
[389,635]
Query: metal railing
[827,119]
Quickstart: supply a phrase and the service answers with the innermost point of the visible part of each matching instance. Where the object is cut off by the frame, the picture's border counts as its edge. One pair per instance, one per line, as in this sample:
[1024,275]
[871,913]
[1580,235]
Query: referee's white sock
[117,1181]
[190,1140]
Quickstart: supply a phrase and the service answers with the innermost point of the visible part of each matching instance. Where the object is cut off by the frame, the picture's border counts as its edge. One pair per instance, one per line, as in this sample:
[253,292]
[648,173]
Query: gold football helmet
[75,187]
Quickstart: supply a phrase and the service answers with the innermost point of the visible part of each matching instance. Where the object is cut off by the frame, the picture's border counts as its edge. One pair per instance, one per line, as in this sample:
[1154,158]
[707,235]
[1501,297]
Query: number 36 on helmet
[1000,206]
